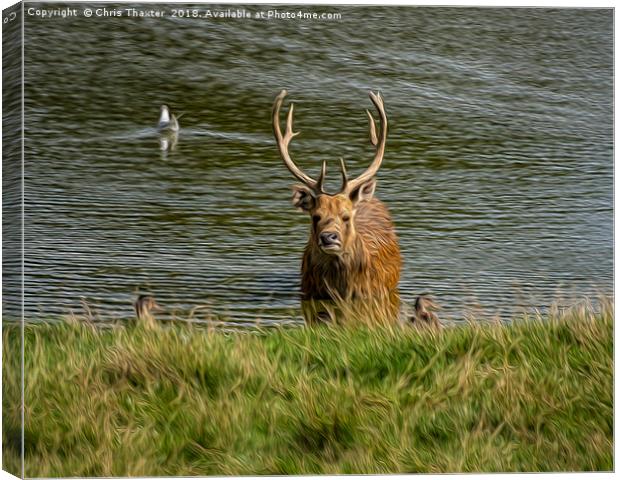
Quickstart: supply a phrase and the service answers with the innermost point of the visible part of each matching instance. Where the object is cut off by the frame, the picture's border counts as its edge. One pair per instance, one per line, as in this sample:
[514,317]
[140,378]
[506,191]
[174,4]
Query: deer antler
[343,172]
[283,142]
[377,142]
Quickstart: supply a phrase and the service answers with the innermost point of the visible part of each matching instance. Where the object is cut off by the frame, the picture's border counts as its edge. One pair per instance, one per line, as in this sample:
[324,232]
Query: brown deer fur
[366,269]
[369,265]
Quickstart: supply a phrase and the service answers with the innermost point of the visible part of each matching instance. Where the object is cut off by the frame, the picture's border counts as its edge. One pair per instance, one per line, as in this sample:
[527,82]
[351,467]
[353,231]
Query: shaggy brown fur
[367,268]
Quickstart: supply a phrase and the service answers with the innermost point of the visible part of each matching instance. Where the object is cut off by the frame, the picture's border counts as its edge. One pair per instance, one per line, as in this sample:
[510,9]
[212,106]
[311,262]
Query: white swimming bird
[167,121]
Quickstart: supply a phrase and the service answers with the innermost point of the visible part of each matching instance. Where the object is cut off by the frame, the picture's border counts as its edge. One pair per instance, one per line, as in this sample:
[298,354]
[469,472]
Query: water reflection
[168,140]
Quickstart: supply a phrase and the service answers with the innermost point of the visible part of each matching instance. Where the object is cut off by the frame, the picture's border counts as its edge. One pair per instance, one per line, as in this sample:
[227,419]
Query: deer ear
[364,192]
[303,197]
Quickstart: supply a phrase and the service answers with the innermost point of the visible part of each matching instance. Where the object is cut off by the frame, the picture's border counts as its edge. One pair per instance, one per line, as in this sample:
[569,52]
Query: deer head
[333,215]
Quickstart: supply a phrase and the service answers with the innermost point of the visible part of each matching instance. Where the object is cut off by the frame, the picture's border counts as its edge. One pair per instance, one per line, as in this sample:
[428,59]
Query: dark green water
[498,170]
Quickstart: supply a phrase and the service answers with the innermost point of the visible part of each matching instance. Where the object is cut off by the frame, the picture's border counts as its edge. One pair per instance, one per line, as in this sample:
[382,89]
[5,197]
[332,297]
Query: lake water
[498,171]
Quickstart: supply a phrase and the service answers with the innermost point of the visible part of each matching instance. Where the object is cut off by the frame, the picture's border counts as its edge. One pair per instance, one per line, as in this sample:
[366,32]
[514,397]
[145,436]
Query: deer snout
[329,239]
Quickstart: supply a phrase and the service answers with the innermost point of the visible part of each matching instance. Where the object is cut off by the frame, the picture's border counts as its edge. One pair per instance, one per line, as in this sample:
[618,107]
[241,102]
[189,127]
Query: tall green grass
[535,395]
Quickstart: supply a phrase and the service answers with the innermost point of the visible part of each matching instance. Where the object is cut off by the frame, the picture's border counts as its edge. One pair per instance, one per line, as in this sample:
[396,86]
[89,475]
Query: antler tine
[319,182]
[373,128]
[289,124]
[378,141]
[284,140]
[343,172]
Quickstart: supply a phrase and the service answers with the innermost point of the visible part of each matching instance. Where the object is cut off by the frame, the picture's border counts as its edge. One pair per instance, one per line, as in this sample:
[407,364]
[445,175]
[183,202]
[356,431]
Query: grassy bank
[532,396]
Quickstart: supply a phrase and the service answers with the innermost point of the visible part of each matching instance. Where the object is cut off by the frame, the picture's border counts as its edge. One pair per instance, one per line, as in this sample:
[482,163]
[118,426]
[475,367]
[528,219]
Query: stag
[352,257]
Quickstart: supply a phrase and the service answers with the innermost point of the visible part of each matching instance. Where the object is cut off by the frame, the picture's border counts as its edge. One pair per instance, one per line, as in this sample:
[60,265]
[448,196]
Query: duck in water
[144,306]
[424,313]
